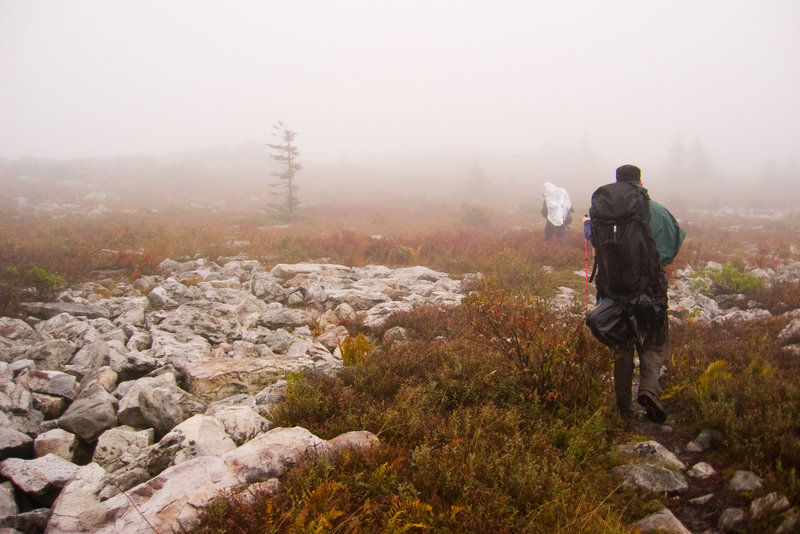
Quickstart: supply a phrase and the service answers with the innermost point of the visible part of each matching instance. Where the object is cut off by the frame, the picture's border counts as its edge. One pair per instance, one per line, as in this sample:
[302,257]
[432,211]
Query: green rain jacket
[666,233]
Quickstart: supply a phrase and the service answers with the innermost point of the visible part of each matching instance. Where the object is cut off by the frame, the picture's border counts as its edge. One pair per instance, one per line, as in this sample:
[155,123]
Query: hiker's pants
[651,359]
[551,230]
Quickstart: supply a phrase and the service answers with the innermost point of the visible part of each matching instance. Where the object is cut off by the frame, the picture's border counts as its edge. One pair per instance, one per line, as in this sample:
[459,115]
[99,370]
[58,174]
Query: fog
[692,92]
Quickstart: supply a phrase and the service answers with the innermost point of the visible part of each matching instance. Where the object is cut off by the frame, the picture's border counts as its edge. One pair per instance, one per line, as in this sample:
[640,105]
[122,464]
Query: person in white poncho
[557,209]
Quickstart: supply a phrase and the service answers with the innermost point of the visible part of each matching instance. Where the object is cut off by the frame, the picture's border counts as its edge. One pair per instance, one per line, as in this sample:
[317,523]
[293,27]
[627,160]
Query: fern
[356,350]
[408,514]
[713,373]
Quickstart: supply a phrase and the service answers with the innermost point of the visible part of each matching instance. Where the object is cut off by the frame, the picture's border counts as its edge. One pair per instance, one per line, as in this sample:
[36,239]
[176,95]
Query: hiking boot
[653,407]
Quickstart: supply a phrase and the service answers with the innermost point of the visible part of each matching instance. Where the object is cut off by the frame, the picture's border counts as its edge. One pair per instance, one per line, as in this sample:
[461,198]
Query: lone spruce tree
[286,154]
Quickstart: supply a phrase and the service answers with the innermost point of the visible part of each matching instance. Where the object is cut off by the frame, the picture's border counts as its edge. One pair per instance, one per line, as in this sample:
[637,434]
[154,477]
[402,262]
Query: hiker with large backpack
[634,239]
[557,210]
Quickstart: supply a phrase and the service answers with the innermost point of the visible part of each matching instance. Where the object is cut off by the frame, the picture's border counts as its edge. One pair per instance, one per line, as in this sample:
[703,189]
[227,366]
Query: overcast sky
[88,78]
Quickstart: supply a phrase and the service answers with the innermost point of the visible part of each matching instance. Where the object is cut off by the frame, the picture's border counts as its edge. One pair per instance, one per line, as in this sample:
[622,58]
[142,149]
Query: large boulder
[51,354]
[121,446]
[215,322]
[159,410]
[652,478]
[178,348]
[47,310]
[271,454]
[201,435]
[241,423]
[133,413]
[78,495]
[90,416]
[216,378]
[41,478]
[53,383]
[56,441]
[169,502]
[15,332]
[14,443]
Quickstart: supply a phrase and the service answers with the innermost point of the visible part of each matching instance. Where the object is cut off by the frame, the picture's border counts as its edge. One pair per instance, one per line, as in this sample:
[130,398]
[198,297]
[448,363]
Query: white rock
[241,423]
[663,522]
[203,435]
[41,476]
[120,446]
[701,470]
[651,452]
[270,454]
[56,441]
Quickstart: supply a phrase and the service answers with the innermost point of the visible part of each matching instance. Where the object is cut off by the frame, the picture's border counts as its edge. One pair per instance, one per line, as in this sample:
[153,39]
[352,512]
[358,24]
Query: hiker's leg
[561,234]
[650,362]
[651,359]
[623,378]
[549,229]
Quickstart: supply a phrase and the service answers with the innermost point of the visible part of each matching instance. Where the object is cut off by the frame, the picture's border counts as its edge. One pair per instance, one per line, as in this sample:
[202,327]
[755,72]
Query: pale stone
[56,441]
[121,446]
[241,423]
[770,501]
[202,435]
[701,470]
[270,454]
[651,452]
[8,503]
[214,379]
[652,478]
[169,502]
[39,477]
[14,443]
[662,522]
[54,383]
[745,481]
[730,517]
[77,497]
[357,439]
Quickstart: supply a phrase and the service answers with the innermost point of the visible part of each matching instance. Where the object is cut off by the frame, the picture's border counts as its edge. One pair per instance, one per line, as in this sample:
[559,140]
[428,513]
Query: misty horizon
[629,82]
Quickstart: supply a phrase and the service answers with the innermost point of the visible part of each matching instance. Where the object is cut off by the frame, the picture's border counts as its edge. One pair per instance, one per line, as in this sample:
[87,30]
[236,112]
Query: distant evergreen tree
[477,177]
[286,154]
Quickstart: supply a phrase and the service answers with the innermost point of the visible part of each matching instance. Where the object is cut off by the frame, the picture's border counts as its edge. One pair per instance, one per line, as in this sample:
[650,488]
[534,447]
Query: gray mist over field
[431,95]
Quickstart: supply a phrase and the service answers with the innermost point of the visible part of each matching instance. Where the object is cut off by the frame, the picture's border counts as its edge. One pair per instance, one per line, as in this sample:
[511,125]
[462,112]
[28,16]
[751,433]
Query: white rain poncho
[558,203]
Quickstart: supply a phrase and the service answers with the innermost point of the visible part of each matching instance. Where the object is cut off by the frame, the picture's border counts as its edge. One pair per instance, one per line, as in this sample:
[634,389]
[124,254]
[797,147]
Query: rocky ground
[132,406]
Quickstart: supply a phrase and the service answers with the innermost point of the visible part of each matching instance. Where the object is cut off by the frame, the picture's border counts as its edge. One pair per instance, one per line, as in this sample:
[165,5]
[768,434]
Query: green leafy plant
[311,399]
[43,282]
[727,278]
[409,255]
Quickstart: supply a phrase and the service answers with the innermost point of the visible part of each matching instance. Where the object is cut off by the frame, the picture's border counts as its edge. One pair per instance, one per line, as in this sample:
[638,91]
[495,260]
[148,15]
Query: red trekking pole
[586,243]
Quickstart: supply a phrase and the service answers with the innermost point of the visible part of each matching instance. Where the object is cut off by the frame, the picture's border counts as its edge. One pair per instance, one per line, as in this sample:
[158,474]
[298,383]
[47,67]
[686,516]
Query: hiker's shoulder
[659,210]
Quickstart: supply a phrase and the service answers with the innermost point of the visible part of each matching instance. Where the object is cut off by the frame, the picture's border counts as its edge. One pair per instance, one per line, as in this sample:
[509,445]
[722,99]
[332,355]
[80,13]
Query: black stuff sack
[610,323]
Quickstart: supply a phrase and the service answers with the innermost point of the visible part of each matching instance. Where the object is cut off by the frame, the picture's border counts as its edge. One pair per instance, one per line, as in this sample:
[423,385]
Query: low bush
[470,441]
[733,377]
[726,279]
[554,358]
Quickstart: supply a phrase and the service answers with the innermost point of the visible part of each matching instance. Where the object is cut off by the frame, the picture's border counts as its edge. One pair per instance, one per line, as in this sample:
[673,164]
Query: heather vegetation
[496,416]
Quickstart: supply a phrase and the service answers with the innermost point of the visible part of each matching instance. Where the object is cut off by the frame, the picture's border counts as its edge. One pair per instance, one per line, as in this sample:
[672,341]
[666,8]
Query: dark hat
[629,173]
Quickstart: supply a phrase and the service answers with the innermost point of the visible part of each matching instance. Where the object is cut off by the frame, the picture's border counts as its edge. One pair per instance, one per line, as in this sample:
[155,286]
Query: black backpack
[626,264]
